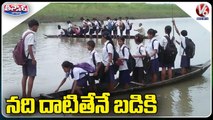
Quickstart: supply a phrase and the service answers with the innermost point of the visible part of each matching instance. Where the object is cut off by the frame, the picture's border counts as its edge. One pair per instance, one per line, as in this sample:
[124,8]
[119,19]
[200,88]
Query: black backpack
[131,61]
[190,47]
[115,58]
[170,51]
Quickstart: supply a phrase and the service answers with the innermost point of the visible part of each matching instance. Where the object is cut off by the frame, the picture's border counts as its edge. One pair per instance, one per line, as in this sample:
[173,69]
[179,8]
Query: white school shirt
[150,49]
[96,24]
[90,25]
[78,73]
[105,56]
[127,24]
[183,41]
[125,56]
[69,27]
[139,62]
[97,58]
[84,23]
[61,32]
[29,40]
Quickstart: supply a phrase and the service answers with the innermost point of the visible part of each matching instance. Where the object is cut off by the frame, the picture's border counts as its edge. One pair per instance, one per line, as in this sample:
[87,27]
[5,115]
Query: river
[190,98]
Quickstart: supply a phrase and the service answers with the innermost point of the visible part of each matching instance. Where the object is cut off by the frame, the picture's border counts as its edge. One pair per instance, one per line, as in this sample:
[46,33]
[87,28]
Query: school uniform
[163,42]
[91,30]
[120,27]
[97,26]
[138,72]
[29,69]
[61,32]
[115,30]
[185,61]
[108,48]
[127,26]
[109,23]
[80,75]
[141,30]
[124,73]
[154,59]
[69,29]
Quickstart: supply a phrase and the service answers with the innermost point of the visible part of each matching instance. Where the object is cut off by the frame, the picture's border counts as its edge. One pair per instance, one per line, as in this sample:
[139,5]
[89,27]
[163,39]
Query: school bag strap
[93,59]
[23,39]
[123,50]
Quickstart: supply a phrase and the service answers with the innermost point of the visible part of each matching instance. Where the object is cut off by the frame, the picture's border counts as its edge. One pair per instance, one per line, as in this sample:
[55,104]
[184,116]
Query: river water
[189,98]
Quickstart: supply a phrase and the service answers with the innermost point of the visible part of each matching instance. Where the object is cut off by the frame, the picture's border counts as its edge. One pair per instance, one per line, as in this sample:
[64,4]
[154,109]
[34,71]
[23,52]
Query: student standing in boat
[124,73]
[61,31]
[138,72]
[79,76]
[69,29]
[109,25]
[115,28]
[85,27]
[185,60]
[98,26]
[94,61]
[152,50]
[29,69]
[107,60]
[140,30]
[127,26]
[121,26]
[164,63]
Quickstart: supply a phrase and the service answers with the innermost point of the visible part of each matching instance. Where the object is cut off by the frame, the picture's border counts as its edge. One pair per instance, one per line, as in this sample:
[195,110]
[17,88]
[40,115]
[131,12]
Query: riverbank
[59,12]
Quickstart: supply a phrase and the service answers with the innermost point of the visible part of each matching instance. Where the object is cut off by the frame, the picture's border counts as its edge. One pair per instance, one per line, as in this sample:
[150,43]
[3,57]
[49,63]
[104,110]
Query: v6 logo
[202,10]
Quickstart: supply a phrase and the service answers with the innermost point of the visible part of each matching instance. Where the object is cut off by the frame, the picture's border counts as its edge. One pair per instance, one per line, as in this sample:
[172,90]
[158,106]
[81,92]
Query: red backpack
[19,51]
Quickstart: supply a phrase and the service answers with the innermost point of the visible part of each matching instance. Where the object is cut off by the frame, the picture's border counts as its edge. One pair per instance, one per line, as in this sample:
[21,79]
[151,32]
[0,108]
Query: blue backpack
[86,66]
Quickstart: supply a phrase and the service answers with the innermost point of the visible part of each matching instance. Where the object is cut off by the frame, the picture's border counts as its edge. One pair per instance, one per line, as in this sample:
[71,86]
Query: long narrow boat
[78,36]
[195,71]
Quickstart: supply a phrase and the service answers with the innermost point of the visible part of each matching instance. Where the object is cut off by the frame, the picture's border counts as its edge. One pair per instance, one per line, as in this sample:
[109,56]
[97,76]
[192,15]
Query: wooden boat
[79,36]
[195,71]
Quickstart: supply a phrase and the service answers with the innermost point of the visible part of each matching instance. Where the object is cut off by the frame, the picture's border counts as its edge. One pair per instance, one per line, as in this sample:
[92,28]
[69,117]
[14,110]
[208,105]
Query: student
[114,28]
[76,30]
[69,29]
[79,76]
[91,25]
[124,74]
[121,26]
[138,72]
[109,25]
[163,63]
[140,30]
[85,27]
[152,50]
[127,26]
[94,61]
[107,60]
[185,61]
[29,69]
[61,31]
[98,26]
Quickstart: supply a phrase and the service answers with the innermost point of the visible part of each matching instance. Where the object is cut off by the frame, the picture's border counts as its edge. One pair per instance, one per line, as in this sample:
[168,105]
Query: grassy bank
[58,12]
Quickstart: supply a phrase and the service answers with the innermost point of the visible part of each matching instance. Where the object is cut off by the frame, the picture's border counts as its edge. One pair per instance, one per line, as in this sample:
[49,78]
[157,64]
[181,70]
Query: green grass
[60,12]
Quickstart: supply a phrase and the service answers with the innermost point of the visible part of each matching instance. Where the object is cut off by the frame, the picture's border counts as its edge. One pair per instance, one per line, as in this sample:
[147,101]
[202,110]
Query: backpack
[86,66]
[114,27]
[109,25]
[131,61]
[170,51]
[190,47]
[99,24]
[19,51]
[115,58]
[122,26]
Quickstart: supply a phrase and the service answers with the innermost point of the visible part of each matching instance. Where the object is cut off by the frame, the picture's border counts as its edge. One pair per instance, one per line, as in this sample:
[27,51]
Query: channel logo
[16,9]
[202,10]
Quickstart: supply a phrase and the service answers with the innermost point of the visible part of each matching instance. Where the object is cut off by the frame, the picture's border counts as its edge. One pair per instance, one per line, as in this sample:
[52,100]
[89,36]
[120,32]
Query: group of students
[105,67]
[96,26]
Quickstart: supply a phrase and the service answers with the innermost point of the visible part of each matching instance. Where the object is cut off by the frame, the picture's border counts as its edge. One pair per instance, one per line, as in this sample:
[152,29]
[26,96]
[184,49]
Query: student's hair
[59,27]
[121,38]
[184,33]
[32,23]
[140,38]
[91,43]
[127,17]
[94,19]
[107,36]
[87,20]
[140,24]
[68,21]
[81,18]
[120,18]
[108,18]
[152,32]
[168,30]
[115,19]
[67,64]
